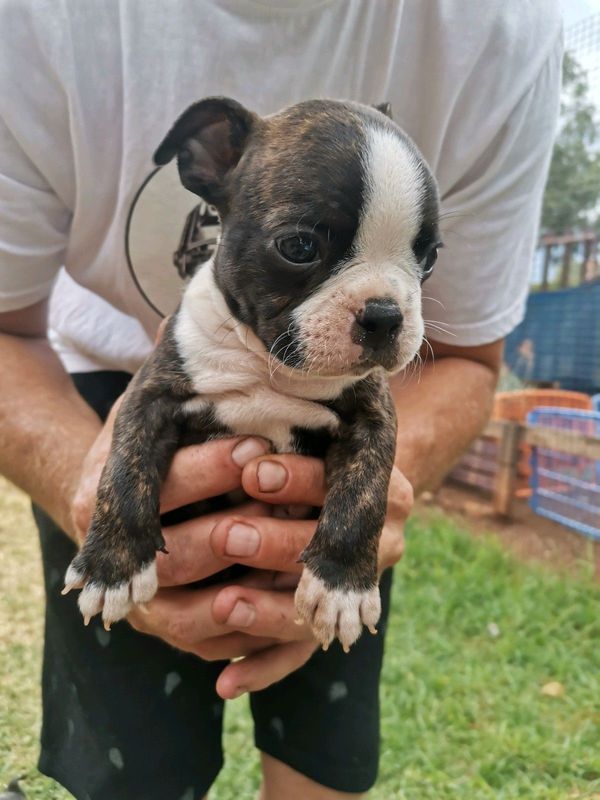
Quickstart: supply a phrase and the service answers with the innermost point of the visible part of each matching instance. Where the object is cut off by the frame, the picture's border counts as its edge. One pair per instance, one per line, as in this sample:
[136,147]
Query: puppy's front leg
[338,591]
[116,566]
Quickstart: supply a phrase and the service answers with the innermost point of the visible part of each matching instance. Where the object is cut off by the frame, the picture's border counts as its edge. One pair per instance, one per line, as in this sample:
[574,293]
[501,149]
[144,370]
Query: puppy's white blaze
[91,599]
[144,584]
[382,265]
[394,193]
[117,603]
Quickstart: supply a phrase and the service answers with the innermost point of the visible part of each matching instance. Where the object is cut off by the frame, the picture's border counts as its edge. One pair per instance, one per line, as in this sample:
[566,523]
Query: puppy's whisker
[439,326]
[299,221]
[430,348]
[434,300]
[275,361]
[456,215]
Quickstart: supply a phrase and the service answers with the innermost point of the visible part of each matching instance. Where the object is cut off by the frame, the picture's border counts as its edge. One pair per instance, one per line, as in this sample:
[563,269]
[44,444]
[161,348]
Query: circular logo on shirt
[170,232]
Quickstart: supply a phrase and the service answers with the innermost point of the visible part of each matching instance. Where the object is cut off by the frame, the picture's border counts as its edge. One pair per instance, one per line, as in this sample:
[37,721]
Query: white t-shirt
[89,89]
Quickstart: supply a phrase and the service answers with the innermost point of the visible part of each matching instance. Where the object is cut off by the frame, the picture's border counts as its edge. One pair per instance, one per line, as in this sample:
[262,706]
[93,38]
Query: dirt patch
[529,536]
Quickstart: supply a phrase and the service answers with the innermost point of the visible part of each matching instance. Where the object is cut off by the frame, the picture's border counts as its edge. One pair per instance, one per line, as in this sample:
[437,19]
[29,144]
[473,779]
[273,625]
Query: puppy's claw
[86,620]
[372,629]
[325,646]
[346,648]
[298,621]
[107,625]
[77,583]
[143,608]
[74,578]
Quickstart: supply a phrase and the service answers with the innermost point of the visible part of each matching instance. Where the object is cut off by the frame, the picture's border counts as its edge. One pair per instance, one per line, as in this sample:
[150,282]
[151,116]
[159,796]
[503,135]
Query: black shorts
[127,717]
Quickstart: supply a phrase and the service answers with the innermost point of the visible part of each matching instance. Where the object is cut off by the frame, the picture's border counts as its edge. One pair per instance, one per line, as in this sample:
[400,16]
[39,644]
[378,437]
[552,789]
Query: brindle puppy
[329,226]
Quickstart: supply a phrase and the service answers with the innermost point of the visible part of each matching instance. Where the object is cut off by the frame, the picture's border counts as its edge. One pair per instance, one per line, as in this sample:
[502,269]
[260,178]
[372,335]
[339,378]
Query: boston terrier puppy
[313,297]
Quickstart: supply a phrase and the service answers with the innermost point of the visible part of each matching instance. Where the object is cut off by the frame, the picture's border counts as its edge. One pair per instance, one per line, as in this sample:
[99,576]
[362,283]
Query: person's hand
[255,617]
[260,612]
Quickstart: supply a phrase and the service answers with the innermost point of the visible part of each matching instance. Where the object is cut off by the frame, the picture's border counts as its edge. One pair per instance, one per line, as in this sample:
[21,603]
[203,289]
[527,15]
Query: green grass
[463,712]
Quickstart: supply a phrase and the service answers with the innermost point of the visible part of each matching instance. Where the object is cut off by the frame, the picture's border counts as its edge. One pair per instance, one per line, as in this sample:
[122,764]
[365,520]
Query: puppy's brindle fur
[266,342]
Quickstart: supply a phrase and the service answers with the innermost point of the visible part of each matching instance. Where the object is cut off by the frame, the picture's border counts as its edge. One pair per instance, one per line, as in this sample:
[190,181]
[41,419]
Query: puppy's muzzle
[377,328]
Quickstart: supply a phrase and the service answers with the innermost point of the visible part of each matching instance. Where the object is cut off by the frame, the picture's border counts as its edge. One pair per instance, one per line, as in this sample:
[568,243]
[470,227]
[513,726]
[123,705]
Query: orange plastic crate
[515,406]
[478,465]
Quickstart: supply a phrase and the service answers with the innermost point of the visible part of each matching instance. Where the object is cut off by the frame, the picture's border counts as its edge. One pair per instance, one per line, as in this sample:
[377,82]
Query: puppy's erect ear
[208,140]
[385,108]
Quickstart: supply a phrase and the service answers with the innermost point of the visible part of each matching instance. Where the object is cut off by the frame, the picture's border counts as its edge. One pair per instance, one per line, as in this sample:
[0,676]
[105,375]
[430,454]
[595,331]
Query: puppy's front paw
[112,578]
[335,613]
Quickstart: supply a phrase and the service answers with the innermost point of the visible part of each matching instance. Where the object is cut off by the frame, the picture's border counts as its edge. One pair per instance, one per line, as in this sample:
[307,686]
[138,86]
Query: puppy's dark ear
[208,140]
[385,108]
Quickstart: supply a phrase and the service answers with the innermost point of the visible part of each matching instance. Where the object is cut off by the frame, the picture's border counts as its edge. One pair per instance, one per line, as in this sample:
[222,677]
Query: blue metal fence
[559,339]
[566,488]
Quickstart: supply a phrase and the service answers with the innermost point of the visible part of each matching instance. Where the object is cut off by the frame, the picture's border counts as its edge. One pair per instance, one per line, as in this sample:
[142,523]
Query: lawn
[491,686]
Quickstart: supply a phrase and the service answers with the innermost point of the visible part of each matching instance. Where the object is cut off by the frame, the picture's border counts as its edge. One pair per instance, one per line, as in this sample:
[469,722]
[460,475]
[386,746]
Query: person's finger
[262,542]
[262,669]
[400,503]
[391,546]
[190,556]
[231,645]
[259,613]
[284,479]
[187,618]
[400,496]
[160,330]
[181,617]
[270,580]
[216,648]
[206,470]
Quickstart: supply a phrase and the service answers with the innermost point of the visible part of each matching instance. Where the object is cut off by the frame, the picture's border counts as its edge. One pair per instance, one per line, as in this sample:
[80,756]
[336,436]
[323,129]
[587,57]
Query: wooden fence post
[508,459]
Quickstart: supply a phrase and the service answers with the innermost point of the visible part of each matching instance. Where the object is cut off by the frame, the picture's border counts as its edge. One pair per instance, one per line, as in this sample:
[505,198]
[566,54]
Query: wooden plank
[547,253]
[478,463]
[566,266]
[494,429]
[569,238]
[587,254]
[506,478]
[472,479]
[573,442]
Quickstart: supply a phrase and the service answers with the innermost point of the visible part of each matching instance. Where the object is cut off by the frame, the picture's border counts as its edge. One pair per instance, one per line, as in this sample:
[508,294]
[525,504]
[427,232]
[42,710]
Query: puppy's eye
[302,248]
[429,261]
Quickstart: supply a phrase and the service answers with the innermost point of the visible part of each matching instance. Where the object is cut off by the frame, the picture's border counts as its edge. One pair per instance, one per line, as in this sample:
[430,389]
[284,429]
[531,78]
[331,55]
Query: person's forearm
[439,413]
[46,429]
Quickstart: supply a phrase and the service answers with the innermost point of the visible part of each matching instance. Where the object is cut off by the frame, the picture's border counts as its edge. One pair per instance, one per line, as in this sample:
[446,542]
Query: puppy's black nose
[379,323]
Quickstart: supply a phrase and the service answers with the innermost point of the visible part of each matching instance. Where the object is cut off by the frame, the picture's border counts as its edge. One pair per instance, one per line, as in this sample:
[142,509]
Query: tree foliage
[572,198]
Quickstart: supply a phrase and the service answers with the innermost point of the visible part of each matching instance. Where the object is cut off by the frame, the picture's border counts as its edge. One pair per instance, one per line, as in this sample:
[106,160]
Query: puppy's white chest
[267,413]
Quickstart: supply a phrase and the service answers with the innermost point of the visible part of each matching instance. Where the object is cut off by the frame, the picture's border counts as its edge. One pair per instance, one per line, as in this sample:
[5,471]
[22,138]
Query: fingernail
[242,541]
[271,476]
[239,691]
[248,449]
[242,616]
